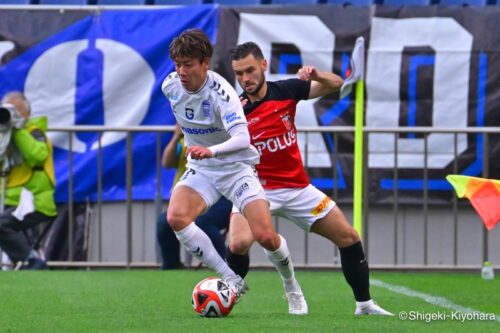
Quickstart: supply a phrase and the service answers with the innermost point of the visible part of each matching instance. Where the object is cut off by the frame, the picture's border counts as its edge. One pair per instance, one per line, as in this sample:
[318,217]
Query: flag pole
[356,77]
[358,156]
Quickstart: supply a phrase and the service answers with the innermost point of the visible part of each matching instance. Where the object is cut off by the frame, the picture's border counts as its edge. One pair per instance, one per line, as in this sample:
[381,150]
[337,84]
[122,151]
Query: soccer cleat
[297,304]
[371,308]
[238,285]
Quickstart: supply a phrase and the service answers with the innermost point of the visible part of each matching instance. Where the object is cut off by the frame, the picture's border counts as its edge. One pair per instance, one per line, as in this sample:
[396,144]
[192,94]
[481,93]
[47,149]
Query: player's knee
[267,239]
[349,237]
[177,220]
[239,246]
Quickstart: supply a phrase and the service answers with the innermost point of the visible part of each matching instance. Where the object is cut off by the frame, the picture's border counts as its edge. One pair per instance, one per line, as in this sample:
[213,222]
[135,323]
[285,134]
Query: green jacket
[36,173]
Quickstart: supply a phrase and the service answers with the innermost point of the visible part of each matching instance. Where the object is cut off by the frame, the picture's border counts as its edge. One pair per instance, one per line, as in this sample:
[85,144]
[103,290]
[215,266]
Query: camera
[7,111]
[10,117]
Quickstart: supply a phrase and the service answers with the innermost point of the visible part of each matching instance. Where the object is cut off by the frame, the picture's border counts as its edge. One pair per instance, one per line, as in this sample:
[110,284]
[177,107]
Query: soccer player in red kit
[270,109]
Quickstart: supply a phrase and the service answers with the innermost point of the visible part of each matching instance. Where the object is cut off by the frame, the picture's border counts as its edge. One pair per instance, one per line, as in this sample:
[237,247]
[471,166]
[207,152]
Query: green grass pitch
[160,301]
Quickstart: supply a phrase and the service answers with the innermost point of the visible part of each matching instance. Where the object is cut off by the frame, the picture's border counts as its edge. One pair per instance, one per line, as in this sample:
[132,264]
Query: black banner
[425,66]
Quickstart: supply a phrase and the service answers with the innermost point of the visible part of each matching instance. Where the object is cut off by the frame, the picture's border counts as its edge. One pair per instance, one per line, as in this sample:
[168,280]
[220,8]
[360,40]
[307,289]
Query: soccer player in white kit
[270,109]
[220,159]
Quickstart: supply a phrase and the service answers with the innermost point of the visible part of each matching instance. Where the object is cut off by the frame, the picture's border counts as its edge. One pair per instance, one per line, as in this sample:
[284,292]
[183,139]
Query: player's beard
[257,89]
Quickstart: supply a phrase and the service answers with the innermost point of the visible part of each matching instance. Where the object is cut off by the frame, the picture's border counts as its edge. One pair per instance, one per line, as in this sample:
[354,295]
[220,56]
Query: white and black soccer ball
[212,297]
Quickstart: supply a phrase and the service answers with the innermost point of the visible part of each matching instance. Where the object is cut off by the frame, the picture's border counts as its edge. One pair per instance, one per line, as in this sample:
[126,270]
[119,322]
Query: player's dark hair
[192,43]
[243,50]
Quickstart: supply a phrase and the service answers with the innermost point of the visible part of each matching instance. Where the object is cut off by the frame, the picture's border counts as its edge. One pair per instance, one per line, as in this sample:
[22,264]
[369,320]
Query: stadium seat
[463,2]
[15,2]
[406,2]
[294,2]
[179,2]
[351,2]
[63,2]
[238,2]
[121,2]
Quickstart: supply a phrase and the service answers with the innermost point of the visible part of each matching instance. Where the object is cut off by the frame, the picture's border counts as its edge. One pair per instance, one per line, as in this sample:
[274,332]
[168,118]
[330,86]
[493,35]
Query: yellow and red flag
[484,195]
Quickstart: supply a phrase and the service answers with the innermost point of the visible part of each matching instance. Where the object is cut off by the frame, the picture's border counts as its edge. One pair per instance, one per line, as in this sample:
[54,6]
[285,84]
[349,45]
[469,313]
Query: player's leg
[185,206]
[193,193]
[335,227]
[260,221]
[240,240]
[312,210]
[253,203]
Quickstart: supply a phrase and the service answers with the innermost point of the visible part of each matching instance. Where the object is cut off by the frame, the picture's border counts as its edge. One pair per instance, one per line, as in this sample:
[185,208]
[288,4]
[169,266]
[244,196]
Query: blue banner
[103,69]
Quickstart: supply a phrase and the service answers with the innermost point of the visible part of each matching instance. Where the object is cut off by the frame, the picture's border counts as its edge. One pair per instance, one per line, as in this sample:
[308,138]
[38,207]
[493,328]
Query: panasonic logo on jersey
[200,130]
[277,143]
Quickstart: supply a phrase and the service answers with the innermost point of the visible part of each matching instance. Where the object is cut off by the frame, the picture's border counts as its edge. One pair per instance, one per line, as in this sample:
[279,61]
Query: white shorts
[237,181]
[302,206]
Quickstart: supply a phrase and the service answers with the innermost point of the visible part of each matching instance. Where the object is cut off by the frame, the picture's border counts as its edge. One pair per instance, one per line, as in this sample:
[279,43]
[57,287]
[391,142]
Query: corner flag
[357,70]
[484,195]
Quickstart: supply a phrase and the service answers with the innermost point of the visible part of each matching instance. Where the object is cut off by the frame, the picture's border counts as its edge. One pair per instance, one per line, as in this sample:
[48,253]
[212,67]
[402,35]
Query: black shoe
[34,264]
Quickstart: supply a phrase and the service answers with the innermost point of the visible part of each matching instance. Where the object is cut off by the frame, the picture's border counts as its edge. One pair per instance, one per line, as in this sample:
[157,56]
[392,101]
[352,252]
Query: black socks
[355,269]
[239,263]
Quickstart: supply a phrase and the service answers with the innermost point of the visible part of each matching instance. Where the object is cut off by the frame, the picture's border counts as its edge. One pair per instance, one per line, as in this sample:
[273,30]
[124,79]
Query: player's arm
[239,140]
[170,156]
[322,83]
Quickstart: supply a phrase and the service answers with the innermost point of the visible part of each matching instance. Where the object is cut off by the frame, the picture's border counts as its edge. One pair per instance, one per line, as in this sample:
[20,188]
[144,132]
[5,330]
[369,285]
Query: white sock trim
[187,232]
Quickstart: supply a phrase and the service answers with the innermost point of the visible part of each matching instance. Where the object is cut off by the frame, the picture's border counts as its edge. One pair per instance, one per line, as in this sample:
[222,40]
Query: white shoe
[297,304]
[371,308]
[238,285]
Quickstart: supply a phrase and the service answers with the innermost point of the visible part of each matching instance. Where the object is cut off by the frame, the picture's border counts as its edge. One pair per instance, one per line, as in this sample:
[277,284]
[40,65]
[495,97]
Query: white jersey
[207,115]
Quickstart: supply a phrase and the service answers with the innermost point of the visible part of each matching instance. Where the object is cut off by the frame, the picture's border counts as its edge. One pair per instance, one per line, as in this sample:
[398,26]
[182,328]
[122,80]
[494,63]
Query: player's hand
[243,101]
[198,152]
[307,73]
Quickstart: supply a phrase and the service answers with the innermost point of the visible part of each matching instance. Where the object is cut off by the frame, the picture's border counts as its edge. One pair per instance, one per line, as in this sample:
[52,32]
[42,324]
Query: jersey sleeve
[297,89]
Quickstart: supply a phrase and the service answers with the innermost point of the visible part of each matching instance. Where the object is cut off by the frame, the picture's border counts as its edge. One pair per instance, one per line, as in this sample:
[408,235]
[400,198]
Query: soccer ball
[213,297]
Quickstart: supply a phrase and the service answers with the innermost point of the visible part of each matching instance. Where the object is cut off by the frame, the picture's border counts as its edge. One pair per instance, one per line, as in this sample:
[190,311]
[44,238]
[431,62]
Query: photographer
[28,179]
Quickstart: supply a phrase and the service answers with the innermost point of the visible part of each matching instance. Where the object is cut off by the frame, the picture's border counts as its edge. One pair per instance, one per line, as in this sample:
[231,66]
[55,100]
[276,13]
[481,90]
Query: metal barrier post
[426,197]
[486,173]
[129,182]
[99,196]
[455,203]
[395,193]
[70,197]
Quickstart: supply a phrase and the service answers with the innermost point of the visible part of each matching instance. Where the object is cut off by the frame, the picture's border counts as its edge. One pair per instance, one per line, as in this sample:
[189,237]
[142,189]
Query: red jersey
[271,123]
